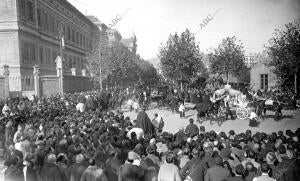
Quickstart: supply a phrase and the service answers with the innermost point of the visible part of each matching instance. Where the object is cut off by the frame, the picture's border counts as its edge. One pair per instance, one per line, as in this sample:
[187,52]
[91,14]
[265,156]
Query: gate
[49,85]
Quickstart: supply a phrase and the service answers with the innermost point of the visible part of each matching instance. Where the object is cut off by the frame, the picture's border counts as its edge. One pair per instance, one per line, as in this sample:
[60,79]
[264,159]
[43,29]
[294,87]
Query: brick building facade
[29,36]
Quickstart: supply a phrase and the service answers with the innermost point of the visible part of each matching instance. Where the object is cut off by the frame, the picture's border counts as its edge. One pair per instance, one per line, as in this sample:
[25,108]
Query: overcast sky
[152,21]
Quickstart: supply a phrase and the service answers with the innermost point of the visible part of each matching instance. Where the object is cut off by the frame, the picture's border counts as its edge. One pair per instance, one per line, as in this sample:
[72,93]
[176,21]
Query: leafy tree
[284,50]
[228,58]
[98,57]
[180,57]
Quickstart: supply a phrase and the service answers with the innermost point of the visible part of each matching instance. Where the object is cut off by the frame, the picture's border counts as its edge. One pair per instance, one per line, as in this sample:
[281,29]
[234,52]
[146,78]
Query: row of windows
[47,56]
[67,13]
[48,23]
[264,81]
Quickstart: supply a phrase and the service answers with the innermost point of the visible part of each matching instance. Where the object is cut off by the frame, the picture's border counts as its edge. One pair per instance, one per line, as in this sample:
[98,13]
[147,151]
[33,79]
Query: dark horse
[261,108]
[207,108]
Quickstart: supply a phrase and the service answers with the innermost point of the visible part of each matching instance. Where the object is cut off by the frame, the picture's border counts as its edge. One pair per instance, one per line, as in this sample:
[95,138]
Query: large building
[29,35]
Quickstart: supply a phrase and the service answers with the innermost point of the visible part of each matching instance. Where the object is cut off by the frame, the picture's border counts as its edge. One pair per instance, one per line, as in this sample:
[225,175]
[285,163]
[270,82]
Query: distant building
[262,77]
[114,36]
[130,43]
[29,31]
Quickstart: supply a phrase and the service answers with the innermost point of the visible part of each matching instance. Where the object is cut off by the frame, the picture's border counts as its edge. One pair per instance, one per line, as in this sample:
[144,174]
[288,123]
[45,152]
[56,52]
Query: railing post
[6,79]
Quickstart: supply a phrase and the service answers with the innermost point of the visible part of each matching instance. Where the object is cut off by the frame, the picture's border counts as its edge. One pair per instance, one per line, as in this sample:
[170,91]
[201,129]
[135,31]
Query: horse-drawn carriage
[159,94]
[235,99]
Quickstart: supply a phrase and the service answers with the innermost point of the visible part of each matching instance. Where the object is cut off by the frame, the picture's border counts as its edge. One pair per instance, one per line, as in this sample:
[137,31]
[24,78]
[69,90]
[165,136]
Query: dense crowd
[72,139]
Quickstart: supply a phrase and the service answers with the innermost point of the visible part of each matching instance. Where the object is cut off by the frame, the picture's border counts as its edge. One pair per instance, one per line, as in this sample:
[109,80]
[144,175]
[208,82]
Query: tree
[284,50]
[180,57]
[97,59]
[122,66]
[228,58]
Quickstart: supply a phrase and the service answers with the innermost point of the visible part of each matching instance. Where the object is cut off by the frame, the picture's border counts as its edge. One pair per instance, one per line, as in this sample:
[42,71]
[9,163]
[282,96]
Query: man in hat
[217,172]
[50,171]
[130,171]
[75,171]
[112,165]
[192,129]
[169,171]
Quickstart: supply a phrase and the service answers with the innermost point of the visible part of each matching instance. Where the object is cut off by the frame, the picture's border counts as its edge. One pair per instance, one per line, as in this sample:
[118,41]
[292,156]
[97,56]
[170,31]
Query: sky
[152,21]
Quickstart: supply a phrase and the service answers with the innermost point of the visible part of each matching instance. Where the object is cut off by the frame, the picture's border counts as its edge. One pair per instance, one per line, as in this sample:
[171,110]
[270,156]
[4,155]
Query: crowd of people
[71,139]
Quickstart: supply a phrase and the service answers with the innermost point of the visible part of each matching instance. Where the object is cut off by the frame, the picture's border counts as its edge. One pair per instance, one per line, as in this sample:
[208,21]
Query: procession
[149,90]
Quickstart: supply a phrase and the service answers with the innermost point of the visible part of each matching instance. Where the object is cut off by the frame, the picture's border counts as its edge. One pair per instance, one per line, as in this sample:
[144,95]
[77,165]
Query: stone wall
[77,84]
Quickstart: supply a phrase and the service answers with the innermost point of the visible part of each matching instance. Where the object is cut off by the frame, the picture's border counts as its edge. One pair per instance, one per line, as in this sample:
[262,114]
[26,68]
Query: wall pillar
[6,78]
[73,70]
[83,72]
[36,75]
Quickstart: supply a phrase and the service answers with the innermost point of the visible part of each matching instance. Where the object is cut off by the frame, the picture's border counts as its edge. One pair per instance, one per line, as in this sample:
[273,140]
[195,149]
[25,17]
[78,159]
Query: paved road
[173,122]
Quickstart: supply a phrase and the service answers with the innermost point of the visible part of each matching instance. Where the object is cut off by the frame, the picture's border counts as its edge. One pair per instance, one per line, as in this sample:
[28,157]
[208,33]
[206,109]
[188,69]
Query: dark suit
[129,172]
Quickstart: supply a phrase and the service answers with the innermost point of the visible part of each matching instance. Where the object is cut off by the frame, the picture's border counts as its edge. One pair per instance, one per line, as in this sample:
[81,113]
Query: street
[291,120]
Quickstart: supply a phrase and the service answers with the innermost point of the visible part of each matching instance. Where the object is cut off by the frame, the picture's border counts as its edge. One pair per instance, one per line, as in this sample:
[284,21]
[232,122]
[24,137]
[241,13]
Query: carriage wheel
[242,113]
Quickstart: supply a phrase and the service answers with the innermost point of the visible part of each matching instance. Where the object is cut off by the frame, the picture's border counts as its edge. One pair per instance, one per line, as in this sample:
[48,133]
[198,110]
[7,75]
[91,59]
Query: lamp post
[59,63]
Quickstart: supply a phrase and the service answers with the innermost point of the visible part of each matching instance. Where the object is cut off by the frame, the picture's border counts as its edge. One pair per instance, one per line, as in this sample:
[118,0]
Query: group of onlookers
[48,139]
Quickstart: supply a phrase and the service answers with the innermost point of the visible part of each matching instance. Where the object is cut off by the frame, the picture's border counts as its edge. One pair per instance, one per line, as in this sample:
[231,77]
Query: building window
[84,42]
[80,40]
[30,8]
[38,12]
[22,8]
[48,56]
[41,55]
[77,37]
[68,33]
[45,21]
[52,24]
[263,81]
[73,36]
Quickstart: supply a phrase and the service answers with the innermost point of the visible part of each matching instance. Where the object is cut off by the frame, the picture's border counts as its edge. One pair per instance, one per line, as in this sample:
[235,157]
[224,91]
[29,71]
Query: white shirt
[80,107]
[135,105]
[181,108]
[138,131]
[253,115]
[5,109]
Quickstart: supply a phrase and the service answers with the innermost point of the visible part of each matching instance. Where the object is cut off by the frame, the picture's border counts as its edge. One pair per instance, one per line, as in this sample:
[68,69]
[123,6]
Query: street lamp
[59,64]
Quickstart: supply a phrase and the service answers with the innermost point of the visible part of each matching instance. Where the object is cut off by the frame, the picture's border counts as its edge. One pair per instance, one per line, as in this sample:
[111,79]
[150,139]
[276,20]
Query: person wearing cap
[75,171]
[151,164]
[158,123]
[50,171]
[265,170]
[185,157]
[192,129]
[112,165]
[251,172]
[195,168]
[130,171]
[239,174]
[169,171]
[94,172]
[217,172]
